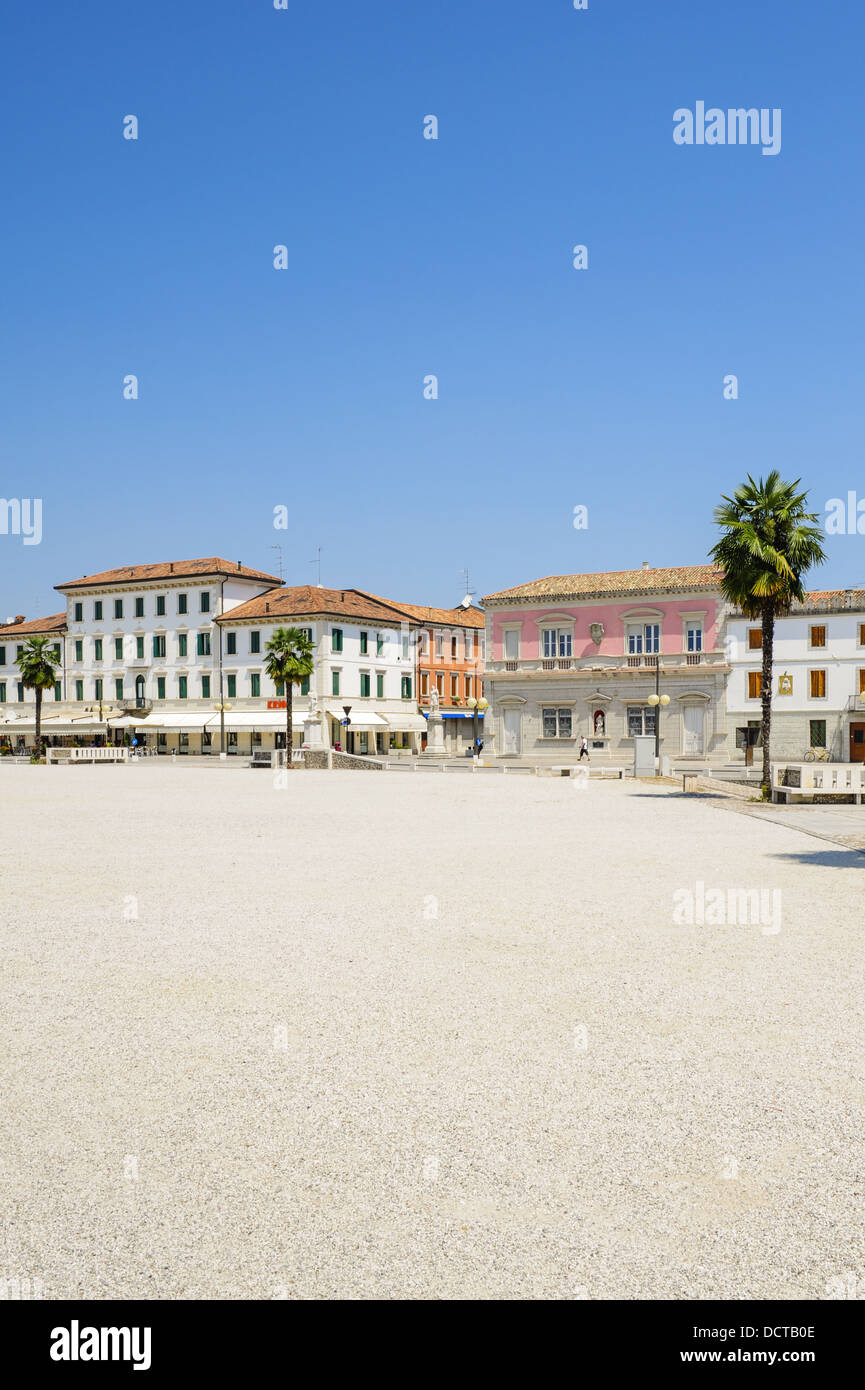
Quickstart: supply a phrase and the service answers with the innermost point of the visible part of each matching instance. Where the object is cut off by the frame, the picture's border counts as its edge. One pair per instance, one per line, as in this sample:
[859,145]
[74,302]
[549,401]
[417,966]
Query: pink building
[581,654]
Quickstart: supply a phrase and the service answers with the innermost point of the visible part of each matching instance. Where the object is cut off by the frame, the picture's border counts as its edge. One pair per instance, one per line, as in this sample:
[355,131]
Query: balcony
[138,706]
[645,662]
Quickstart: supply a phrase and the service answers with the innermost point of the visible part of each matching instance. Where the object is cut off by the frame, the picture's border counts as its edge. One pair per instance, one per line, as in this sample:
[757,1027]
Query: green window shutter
[79,690]
[232,687]
[255,641]
[2,656]
[364,683]
[118,688]
[304,686]
[280,688]
[160,687]
[118,649]
[336,639]
[255,685]
[58,695]
[79,651]
[160,606]
[335,682]
[139,647]
[2,692]
[97,690]
[181,603]
[182,685]
[205,687]
[379,686]
[181,644]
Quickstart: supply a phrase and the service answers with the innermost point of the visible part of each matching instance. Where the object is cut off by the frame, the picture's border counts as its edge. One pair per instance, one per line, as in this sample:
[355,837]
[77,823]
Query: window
[336,639]
[183,741]
[641,720]
[818,637]
[644,637]
[405,687]
[818,732]
[158,646]
[439,646]
[182,606]
[139,648]
[755,685]
[304,686]
[97,610]
[469,645]
[379,643]
[202,645]
[255,641]
[97,689]
[97,649]
[204,604]
[231,644]
[694,637]
[79,650]
[255,684]
[118,608]
[424,684]
[817,681]
[118,649]
[379,684]
[205,687]
[182,687]
[160,687]
[364,643]
[56,651]
[160,605]
[2,656]
[455,687]
[557,723]
[422,643]
[118,688]
[861,681]
[58,693]
[280,688]
[79,690]
[405,640]
[78,613]
[453,647]
[182,649]
[755,639]
[139,608]
[21,691]
[334,683]
[232,740]
[557,642]
[862,634]
[468,687]
[364,684]
[232,687]
[440,682]
[2,692]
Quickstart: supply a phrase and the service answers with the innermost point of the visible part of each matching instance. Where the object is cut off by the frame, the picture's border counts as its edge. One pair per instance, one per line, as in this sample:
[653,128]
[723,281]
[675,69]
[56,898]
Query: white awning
[178,721]
[360,718]
[125,721]
[265,722]
[406,723]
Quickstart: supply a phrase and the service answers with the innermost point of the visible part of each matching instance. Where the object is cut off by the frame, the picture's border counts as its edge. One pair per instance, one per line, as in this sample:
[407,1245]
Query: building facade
[818,695]
[574,655]
[450,644]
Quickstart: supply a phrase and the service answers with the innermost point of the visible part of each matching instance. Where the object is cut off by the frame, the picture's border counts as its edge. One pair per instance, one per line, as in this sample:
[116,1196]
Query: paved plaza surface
[369,1035]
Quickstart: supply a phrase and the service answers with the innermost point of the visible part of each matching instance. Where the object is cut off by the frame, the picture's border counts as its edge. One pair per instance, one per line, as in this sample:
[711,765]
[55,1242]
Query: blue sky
[304,387]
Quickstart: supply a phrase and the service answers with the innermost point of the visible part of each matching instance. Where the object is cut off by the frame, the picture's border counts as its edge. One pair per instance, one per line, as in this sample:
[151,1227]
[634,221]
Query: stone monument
[435,746]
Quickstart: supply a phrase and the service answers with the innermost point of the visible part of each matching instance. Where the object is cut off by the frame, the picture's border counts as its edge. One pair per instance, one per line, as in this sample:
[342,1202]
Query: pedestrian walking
[584,749]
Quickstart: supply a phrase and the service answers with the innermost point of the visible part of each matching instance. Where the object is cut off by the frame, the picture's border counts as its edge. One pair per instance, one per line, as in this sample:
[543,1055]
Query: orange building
[450,659]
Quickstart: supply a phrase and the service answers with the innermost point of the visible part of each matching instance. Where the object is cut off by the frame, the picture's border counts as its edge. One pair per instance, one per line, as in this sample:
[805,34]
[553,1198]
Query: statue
[600,723]
[434,701]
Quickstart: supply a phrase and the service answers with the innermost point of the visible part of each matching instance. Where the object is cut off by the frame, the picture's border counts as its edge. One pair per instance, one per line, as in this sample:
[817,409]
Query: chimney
[19,618]
[171,568]
[239,565]
[646,565]
[342,598]
[266,607]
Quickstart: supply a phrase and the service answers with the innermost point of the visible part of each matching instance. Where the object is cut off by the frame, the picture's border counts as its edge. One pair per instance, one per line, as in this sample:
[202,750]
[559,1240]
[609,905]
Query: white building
[818,695]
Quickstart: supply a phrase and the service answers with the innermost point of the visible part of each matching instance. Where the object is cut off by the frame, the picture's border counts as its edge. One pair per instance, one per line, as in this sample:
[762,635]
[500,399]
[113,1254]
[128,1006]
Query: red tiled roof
[170,569]
[446,617]
[56,623]
[310,601]
[641,581]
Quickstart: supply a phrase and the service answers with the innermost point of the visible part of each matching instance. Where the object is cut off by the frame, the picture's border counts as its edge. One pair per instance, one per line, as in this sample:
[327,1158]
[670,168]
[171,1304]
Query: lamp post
[658,702]
[477,707]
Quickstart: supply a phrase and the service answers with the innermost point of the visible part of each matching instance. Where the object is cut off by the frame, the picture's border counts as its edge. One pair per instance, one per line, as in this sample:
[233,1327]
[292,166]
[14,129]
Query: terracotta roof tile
[56,623]
[310,601]
[447,617]
[170,569]
[560,586]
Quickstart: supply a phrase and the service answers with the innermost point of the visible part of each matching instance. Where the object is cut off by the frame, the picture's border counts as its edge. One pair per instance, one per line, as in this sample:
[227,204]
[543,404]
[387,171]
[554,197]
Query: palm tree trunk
[39,721]
[289,705]
[768,621]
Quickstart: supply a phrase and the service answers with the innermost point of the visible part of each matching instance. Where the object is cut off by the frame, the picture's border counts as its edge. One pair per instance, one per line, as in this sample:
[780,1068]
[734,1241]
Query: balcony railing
[643,662]
[135,706]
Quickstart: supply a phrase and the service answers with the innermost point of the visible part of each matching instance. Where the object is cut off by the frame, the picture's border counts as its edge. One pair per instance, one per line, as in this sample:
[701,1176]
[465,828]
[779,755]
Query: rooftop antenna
[279,548]
[317,561]
[469,592]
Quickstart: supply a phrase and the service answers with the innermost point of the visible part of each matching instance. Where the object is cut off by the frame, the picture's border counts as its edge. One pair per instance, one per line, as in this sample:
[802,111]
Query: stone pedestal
[312,735]
[435,747]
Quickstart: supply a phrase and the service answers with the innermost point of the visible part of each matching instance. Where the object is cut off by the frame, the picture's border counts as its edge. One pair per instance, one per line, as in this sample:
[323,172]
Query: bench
[797,782]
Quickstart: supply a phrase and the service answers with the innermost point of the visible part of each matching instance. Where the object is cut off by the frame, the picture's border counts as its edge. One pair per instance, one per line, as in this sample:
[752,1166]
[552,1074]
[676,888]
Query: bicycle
[816,755]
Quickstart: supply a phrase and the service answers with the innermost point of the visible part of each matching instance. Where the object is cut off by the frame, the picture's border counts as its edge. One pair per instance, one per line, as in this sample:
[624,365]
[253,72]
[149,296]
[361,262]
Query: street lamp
[655,701]
[477,707]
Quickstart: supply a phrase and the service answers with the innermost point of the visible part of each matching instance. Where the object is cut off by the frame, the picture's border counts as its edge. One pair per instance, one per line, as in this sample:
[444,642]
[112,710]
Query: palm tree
[289,660]
[769,543]
[37,664]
